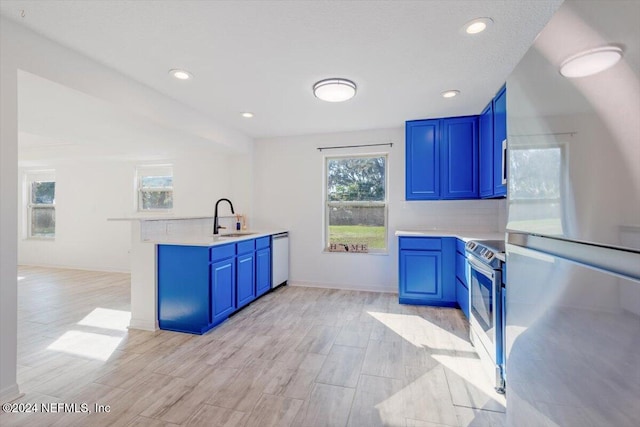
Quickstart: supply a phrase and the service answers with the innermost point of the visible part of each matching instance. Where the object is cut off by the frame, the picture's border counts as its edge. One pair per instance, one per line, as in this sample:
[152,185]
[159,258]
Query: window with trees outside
[41,205]
[356,204]
[155,188]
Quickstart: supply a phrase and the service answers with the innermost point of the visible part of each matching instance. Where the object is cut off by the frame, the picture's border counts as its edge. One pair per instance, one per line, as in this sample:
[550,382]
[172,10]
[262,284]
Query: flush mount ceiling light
[180,74]
[334,90]
[477,25]
[591,62]
[247,114]
[450,93]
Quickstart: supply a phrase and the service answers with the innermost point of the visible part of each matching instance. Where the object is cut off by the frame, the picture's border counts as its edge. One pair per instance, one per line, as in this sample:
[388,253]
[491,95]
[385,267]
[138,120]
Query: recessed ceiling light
[591,62]
[450,93]
[334,90]
[180,74]
[247,114]
[477,25]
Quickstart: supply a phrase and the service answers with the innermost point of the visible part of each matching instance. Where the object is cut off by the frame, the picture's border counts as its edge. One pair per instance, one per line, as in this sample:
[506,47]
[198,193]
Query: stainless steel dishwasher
[280,247]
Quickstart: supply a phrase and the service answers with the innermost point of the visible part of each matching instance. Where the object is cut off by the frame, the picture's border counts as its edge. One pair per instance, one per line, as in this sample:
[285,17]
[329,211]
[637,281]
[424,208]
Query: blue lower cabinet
[263,271]
[246,277]
[462,297]
[200,287]
[223,290]
[462,278]
[183,288]
[427,276]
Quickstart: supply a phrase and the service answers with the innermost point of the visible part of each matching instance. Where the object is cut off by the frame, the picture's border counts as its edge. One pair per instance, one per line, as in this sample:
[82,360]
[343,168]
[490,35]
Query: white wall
[22,49]
[8,220]
[89,192]
[288,188]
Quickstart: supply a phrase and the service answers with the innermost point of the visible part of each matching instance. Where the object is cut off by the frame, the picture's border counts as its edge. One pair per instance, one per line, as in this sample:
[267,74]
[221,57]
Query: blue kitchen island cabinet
[246,272]
[263,265]
[427,271]
[442,159]
[199,287]
[184,288]
[223,290]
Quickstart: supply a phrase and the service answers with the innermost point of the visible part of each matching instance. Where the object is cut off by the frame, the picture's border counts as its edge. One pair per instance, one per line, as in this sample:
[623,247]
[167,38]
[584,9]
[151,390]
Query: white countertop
[209,240]
[158,217]
[460,234]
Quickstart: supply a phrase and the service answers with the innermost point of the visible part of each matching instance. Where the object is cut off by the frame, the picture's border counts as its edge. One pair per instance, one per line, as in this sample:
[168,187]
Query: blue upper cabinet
[459,157]
[423,160]
[486,151]
[442,159]
[500,143]
[493,147]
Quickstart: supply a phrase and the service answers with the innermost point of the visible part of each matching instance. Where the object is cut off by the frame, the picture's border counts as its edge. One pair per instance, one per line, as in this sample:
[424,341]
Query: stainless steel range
[486,304]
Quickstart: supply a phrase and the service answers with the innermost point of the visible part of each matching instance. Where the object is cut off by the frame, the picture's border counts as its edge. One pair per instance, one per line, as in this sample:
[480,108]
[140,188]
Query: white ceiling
[264,56]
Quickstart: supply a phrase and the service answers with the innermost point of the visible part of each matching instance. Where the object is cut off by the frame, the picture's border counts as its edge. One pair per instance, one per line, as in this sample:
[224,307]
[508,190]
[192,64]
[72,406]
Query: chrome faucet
[216,227]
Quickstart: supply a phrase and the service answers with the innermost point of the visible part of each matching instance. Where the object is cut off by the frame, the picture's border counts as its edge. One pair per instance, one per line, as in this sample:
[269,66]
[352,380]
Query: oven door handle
[478,265]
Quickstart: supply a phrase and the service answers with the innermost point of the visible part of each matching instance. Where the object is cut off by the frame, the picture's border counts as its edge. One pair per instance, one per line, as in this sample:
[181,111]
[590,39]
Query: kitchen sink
[236,234]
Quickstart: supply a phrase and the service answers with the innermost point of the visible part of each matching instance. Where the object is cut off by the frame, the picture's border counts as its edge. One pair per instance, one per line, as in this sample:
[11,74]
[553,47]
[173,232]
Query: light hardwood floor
[298,356]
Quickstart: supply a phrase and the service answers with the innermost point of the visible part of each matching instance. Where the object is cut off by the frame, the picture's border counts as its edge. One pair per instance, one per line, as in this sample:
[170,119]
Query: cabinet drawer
[461,267]
[246,246]
[263,242]
[222,252]
[460,246]
[421,243]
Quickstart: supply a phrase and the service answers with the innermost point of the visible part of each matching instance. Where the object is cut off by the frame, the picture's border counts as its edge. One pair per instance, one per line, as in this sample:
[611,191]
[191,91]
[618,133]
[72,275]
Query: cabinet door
[459,147]
[183,288]
[499,143]
[422,145]
[420,276]
[263,271]
[462,296]
[486,151]
[245,265]
[223,289]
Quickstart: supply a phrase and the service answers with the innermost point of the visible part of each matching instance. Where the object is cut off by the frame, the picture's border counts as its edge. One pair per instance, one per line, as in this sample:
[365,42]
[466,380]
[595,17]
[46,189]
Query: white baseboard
[75,267]
[345,287]
[143,324]
[10,393]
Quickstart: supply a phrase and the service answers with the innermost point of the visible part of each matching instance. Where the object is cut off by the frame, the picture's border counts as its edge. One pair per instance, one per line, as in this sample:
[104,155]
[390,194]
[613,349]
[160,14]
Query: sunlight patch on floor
[86,344]
[106,318]
[419,331]
[474,374]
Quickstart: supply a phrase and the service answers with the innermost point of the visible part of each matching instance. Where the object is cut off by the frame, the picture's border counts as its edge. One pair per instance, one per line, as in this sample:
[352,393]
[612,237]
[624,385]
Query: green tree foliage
[43,192]
[356,179]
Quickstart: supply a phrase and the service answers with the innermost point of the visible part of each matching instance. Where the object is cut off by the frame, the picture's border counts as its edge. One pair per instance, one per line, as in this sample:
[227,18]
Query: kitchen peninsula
[150,233]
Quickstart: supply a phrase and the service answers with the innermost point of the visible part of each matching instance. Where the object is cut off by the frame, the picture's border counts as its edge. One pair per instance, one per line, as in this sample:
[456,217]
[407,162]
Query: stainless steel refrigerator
[573,233]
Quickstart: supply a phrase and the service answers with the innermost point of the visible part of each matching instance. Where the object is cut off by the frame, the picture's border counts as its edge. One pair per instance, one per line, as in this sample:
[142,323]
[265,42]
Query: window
[356,204]
[155,188]
[41,205]
[536,187]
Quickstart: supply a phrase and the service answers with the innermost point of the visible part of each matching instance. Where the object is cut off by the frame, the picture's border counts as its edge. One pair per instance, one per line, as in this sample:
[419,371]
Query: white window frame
[329,204]
[152,170]
[30,177]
